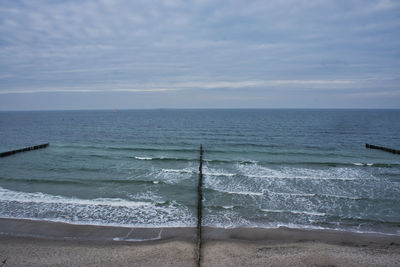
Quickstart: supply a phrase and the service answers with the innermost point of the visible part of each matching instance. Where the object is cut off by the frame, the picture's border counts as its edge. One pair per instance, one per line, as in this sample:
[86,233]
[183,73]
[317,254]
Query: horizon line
[214,108]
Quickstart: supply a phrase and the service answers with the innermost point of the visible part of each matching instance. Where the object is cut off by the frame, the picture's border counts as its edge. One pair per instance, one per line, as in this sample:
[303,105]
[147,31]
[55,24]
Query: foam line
[295,212]
[38,197]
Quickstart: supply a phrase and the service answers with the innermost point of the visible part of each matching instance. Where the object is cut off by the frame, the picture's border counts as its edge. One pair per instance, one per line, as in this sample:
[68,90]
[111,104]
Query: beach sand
[38,243]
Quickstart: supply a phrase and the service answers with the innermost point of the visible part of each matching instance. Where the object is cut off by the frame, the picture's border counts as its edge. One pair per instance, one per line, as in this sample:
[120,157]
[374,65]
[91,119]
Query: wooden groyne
[199,206]
[394,151]
[12,152]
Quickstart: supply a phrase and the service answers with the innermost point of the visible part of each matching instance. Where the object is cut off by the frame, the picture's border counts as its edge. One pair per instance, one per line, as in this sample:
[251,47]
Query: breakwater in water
[12,152]
[391,150]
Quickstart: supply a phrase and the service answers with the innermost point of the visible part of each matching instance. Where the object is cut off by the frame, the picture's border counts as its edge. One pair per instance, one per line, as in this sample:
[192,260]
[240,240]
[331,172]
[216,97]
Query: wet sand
[38,243]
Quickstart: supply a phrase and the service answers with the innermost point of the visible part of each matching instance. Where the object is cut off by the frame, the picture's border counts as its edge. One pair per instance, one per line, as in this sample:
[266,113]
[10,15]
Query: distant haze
[116,54]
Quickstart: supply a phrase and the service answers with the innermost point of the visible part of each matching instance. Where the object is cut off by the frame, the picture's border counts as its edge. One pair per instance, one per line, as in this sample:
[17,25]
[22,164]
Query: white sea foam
[303,177]
[295,212]
[363,164]
[186,170]
[102,211]
[39,197]
[239,192]
[341,196]
[126,238]
[212,172]
[173,176]
[221,181]
[293,194]
[227,218]
[244,193]
[219,174]
[143,158]
[261,172]
[148,196]
[136,239]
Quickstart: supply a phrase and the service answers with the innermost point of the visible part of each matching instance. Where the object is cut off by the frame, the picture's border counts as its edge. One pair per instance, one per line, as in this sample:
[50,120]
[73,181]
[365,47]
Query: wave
[322,163]
[340,196]
[245,193]
[164,158]
[248,193]
[341,174]
[216,160]
[87,182]
[260,172]
[219,174]
[326,164]
[254,180]
[186,170]
[276,151]
[236,144]
[316,195]
[124,156]
[177,177]
[358,220]
[363,164]
[129,181]
[257,171]
[73,168]
[293,194]
[303,177]
[44,181]
[304,195]
[39,197]
[126,148]
[265,176]
[98,211]
[220,207]
[379,165]
[309,213]
[143,158]
[229,161]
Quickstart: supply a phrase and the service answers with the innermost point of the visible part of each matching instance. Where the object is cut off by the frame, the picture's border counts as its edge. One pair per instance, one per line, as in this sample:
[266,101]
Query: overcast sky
[91,54]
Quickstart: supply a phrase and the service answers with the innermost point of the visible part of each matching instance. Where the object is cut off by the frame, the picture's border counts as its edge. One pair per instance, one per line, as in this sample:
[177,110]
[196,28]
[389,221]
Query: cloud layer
[332,50]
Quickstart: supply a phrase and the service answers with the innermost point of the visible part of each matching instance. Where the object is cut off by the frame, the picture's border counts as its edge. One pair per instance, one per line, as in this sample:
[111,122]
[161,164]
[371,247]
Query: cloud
[283,85]
[146,46]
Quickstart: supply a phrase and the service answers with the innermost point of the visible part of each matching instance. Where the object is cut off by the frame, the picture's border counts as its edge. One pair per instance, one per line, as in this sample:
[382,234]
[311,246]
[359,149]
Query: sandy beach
[38,243]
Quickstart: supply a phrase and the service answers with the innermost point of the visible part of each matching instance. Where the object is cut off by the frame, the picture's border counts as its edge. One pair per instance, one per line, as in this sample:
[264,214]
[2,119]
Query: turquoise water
[265,168]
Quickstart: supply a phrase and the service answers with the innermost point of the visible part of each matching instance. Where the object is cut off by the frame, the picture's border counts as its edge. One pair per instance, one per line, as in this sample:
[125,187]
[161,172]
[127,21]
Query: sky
[140,54]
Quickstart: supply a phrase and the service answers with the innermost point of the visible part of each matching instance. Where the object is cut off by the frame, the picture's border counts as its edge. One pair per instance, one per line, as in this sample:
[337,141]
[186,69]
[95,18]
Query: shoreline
[42,243]
[42,229]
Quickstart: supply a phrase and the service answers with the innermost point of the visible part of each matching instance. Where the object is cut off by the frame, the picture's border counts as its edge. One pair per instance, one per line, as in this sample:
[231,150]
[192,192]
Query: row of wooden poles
[199,206]
[394,151]
[12,152]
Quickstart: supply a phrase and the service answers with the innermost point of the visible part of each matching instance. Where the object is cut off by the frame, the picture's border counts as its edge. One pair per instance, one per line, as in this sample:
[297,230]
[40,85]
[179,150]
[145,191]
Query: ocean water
[262,168]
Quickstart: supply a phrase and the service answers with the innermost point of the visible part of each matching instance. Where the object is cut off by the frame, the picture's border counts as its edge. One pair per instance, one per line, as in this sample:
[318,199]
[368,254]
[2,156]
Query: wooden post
[199,206]
[394,151]
[12,152]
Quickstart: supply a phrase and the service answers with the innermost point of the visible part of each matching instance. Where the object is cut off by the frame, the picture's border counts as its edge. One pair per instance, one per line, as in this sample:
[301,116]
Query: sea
[299,168]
